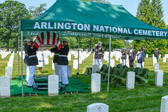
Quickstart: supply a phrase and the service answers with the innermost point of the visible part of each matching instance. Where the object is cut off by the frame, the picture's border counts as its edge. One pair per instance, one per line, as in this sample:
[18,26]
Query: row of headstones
[4,54]
[115,54]
[101,107]
[155,60]
[53,85]
[159,75]
[165,58]
[9,68]
[82,57]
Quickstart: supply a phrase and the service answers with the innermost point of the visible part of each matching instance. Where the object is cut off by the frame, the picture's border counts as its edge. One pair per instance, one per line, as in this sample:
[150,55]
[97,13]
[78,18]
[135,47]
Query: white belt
[32,56]
[63,56]
[99,53]
[56,54]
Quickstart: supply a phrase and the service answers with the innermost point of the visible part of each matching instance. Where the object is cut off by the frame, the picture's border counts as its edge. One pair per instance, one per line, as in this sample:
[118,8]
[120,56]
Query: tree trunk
[7,47]
[90,42]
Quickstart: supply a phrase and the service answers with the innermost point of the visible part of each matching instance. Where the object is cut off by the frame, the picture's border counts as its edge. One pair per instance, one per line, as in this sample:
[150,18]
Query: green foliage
[37,11]
[118,74]
[151,13]
[11,12]
[115,43]
[151,45]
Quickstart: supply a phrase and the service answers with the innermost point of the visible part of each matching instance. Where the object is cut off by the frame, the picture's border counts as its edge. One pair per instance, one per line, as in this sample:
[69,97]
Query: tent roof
[92,18]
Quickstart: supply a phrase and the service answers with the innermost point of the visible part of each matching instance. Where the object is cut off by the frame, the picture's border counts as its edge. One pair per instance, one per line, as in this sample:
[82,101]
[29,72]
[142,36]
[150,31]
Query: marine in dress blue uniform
[27,42]
[32,62]
[55,60]
[63,63]
[100,55]
[95,54]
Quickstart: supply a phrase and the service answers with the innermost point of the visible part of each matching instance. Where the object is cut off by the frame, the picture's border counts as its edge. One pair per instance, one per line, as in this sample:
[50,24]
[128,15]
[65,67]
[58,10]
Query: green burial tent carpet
[75,85]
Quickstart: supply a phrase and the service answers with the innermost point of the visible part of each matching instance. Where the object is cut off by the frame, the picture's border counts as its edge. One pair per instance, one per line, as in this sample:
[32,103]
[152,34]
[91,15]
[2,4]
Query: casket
[47,40]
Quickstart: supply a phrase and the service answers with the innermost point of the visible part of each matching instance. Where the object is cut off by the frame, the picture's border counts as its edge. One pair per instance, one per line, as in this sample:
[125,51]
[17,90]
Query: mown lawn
[144,98]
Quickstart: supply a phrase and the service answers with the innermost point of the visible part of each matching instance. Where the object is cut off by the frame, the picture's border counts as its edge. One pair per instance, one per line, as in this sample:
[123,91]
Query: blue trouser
[139,61]
[157,57]
[123,61]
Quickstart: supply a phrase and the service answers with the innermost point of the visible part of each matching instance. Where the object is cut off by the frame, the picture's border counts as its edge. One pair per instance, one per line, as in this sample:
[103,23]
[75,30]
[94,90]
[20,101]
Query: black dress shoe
[62,88]
[30,86]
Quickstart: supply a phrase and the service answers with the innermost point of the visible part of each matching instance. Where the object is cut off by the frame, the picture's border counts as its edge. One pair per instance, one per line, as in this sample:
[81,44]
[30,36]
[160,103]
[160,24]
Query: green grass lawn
[144,98]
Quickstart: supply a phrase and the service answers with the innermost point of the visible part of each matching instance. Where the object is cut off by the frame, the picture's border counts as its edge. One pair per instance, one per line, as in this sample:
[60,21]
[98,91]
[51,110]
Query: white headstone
[154,61]
[159,78]
[5,87]
[135,57]
[143,64]
[8,72]
[112,63]
[127,62]
[80,61]
[95,68]
[75,64]
[156,67]
[53,83]
[160,55]
[164,59]
[120,60]
[130,82]
[116,58]
[95,82]
[10,64]
[138,65]
[53,66]
[98,107]
[46,60]
[69,71]
[69,57]
[164,104]
[146,55]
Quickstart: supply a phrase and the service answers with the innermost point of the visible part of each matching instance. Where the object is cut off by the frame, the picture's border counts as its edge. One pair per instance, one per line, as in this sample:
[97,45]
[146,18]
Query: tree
[151,13]
[157,14]
[37,11]
[11,12]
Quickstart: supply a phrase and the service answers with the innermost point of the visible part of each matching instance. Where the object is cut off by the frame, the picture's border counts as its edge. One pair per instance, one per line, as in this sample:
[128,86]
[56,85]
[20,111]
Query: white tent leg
[18,58]
[22,61]
[109,64]
[78,56]
[126,52]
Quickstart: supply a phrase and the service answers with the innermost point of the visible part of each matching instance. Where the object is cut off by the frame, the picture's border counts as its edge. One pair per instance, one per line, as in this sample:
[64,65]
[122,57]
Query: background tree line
[150,12]
[11,12]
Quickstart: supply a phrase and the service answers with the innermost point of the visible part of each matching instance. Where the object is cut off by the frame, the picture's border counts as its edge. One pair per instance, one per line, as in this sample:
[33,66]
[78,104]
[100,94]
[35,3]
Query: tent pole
[22,61]
[18,57]
[109,64]
[78,56]
[126,52]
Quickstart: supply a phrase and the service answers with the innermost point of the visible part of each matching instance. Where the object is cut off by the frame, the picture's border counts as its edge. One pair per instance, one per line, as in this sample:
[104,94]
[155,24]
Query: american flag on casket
[48,39]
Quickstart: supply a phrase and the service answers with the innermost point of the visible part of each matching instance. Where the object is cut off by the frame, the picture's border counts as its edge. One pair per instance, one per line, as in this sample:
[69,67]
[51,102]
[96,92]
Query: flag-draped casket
[48,39]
